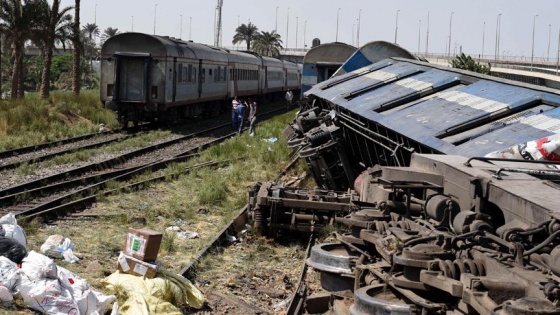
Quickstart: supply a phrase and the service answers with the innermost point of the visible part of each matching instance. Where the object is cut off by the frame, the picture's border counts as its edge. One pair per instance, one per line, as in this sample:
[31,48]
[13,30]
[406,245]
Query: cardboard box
[133,266]
[142,244]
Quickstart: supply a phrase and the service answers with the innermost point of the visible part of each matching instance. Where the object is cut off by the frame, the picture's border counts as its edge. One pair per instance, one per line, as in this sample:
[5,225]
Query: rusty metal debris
[435,237]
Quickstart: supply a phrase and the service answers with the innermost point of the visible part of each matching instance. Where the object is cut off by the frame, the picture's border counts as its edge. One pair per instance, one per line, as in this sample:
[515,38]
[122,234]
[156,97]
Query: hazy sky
[377,21]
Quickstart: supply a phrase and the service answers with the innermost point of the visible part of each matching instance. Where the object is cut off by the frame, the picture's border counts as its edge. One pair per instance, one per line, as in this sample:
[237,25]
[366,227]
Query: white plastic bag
[57,246]
[11,229]
[88,301]
[9,279]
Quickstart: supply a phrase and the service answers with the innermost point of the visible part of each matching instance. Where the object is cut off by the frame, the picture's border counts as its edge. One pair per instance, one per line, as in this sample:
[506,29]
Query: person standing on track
[234,118]
[241,114]
[252,117]
[289,97]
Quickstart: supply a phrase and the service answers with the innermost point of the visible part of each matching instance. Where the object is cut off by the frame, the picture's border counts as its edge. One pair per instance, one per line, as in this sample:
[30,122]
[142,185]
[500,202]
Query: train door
[199,78]
[174,82]
[266,79]
[132,77]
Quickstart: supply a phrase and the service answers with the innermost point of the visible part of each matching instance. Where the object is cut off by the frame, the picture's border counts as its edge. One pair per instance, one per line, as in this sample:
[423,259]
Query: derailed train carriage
[150,77]
[434,227]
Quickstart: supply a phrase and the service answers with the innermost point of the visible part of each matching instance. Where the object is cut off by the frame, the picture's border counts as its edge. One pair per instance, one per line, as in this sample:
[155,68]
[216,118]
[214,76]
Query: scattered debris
[58,246]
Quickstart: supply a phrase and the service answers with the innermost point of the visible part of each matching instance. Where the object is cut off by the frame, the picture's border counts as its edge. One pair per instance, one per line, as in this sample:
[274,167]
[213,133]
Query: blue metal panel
[447,110]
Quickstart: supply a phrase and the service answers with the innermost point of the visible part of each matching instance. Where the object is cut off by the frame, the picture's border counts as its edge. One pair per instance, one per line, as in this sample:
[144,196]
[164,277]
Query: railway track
[39,155]
[58,194]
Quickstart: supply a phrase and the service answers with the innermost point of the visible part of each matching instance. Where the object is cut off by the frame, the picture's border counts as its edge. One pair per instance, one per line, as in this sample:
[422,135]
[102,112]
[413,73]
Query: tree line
[45,25]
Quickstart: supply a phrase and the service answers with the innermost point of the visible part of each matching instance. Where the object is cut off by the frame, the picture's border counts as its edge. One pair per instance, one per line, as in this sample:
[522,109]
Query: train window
[210,72]
[185,73]
[189,74]
[109,90]
[180,73]
[203,75]
[194,75]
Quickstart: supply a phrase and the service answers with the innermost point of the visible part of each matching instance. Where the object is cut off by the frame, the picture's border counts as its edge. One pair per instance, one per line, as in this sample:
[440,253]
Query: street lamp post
[548,51]
[304,30]
[419,27]
[297,25]
[353,27]
[337,14]
[358,30]
[533,44]
[132,22]
[155,14]
[287,27]
[483,29]
[181,32]
[558,52]
[397,25]
[450,22]
[276,24]
[427,32]
[496,46]
[190,24]
[95,15]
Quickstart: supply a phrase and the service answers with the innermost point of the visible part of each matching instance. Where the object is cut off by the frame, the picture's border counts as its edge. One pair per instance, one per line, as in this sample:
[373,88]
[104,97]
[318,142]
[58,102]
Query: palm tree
[267,44]
[91,30]
[108,33]
[245,33]
[54,26]
[76,52]
[465,62]
[16,26]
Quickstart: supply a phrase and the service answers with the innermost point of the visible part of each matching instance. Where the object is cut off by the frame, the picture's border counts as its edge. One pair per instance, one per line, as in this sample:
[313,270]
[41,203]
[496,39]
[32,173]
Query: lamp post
[450,22]
[548,51]
[419,27]
[496,46]
[276,24]
[304,30]
[358,30]
[397,25]
[297,23]
[181,32]
[155,14]
[558,52]
[427,32]
[337,14]
[353,27]
[483,29]
[287,27]
[533,44]
[132,22]
[95,15]
[190,24]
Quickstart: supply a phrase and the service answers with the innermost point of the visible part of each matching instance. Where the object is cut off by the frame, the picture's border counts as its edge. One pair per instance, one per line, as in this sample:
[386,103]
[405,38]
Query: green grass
[32,120]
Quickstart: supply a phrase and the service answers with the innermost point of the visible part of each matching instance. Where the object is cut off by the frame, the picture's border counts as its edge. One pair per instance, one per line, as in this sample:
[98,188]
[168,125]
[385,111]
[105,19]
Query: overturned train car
[383,113]
[434,227]
[444,235]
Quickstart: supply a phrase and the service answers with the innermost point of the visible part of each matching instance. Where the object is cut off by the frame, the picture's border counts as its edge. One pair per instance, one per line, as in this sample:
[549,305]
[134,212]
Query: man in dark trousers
[241,114]
[252,117]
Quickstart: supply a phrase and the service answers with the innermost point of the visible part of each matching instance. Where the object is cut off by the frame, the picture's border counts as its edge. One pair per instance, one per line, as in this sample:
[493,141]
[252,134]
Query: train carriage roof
[160,47]
[450,110]
[243,57]
[272,62]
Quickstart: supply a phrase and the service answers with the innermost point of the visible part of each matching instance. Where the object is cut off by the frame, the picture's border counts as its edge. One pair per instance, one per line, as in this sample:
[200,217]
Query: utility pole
[155,14]
[358,31]
[450,22]
[287,27]
[533,44]
[218,39]
[132,22]
[483,28]
[297,25]
[427,32]
[397,25]
[548,52]
[419,27]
